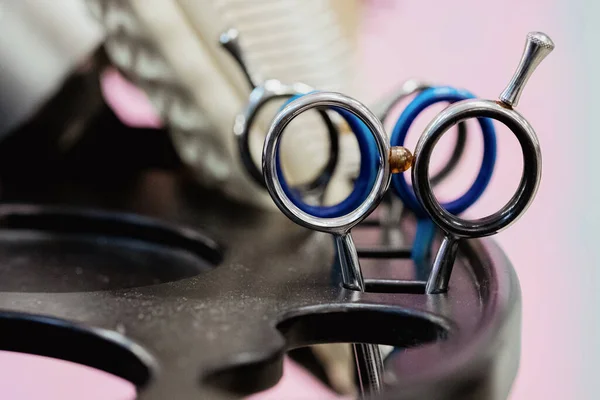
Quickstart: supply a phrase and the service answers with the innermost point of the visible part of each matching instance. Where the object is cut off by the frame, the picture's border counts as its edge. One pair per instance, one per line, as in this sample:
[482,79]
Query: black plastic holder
[181,317]
[112,261]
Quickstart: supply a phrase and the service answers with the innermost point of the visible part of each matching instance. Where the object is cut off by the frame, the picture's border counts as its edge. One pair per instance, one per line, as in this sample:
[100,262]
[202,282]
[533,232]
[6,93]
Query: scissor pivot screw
[401,159]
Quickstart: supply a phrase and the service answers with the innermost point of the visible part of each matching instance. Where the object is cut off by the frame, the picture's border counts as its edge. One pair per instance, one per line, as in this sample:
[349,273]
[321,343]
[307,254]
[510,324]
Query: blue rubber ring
[421,247]
[364,182]
[423,100]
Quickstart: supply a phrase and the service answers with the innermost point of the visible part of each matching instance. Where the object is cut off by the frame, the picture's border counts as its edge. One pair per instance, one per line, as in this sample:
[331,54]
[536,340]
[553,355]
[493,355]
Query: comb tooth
[309,33]
[306,45]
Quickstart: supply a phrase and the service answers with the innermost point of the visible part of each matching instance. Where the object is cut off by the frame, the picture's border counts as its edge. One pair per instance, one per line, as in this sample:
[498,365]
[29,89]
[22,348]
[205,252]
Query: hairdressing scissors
[427,95]
[425,228]
[537,47]
[261,94]
[368,152]
[397,159]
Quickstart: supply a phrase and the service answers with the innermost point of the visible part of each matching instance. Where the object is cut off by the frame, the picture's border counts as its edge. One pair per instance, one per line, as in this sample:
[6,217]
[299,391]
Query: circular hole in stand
[46,249]
[321,325]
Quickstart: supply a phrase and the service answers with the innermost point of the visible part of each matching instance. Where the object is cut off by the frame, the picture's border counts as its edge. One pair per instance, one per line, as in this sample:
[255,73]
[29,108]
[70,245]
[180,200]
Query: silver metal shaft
[230,42]
[442,266]
[369,365]
[370,368]
[351,273]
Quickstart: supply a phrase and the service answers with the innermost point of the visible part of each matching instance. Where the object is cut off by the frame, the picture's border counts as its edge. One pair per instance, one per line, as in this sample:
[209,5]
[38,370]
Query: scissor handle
[454,226]
[411,87]
[422,101]
[363,183]
[340,224]
[532,167]
[261,95]
[538,46]
[268,91]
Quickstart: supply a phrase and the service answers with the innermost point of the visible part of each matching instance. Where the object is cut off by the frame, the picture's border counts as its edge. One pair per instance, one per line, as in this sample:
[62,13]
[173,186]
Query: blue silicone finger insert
[425,99]
[364,182]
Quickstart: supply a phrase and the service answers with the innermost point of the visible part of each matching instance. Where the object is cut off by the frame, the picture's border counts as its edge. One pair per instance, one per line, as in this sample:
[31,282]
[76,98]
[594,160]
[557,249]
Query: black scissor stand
[140,288]
[133,270]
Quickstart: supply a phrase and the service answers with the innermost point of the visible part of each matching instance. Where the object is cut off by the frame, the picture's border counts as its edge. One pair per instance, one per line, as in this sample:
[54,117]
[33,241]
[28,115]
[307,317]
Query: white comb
[170,49]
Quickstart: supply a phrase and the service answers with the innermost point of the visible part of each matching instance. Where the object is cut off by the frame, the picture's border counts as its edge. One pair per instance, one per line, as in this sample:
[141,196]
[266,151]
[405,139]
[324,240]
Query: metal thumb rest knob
[537,47]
